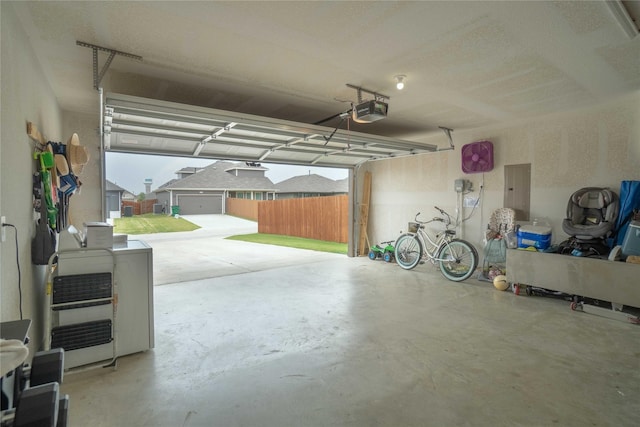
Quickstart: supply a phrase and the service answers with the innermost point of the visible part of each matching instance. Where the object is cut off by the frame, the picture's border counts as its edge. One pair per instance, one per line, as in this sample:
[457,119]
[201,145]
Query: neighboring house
[204,190]
[311,185]
[188,171]
[114,196]
[127,195]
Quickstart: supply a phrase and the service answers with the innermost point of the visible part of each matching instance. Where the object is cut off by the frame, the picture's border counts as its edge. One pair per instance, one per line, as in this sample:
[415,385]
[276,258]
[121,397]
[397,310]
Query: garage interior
[340,340]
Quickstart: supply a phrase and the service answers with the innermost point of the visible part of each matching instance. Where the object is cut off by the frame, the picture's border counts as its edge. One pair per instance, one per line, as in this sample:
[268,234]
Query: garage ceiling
[468,65]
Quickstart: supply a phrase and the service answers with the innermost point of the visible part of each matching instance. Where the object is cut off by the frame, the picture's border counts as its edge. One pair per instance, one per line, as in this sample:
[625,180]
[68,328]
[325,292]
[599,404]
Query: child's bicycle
[384,250]
[457,258]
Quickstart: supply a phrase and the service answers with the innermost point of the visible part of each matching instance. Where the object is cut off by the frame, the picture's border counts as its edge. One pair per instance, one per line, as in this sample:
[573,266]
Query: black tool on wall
[43,244]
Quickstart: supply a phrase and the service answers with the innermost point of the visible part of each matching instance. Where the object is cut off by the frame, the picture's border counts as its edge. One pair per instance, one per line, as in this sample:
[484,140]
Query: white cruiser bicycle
[457,258]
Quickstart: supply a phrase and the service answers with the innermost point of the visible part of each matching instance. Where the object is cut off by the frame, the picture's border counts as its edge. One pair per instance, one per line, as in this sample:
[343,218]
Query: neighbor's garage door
[195,205]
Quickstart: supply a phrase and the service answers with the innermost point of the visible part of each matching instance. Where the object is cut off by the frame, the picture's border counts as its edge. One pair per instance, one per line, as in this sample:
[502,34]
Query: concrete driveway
[204,253]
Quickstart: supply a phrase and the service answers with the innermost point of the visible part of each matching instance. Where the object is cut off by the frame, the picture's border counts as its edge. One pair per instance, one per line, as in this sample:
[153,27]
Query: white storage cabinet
[133,328]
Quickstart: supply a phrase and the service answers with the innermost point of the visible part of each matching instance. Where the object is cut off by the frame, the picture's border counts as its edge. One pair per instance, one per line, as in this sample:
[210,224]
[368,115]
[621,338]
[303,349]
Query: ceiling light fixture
[400,81]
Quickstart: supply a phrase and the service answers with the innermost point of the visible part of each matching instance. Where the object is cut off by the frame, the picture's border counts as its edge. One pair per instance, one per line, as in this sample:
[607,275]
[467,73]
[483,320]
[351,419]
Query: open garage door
[147,126]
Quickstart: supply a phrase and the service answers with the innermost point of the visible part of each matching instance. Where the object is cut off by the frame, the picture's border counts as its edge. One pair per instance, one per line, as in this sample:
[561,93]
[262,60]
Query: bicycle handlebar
[423,222]
[447,221]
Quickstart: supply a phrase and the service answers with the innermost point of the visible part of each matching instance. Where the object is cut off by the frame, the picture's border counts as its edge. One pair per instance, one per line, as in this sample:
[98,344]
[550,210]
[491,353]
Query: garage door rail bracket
[97,76]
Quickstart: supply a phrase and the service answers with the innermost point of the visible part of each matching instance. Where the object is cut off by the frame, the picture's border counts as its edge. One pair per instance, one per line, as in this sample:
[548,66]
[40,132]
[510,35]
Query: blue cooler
[631,242]
[534,235]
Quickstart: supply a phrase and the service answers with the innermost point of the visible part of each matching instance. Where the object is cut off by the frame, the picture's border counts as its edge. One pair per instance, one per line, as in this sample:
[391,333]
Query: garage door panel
[152,126]
[200,204]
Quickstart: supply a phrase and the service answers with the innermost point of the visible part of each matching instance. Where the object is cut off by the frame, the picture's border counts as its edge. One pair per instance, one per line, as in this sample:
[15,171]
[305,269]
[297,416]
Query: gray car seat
[591,213]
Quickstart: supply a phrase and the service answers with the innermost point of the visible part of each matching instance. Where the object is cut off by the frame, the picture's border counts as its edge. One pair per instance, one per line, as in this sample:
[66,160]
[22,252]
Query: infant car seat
[591,213]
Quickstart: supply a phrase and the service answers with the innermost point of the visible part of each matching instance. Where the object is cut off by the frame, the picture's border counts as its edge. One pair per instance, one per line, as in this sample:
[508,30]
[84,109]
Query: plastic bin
[175,210]
[534,235]
[631,242]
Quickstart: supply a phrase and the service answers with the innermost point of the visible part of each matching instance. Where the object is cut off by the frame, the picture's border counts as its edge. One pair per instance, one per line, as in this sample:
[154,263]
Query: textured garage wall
[26,96]
[598,146]
[86,205]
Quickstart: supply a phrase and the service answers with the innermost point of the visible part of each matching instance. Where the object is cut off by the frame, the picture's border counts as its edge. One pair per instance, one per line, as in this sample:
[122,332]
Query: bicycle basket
[413,227]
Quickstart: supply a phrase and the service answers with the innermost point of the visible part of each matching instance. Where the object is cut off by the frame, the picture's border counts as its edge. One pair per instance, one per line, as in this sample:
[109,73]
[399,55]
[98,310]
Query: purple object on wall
[477,157]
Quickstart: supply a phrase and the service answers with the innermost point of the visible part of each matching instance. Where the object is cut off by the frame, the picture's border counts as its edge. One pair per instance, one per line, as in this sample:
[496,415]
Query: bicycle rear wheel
[408,251]
[459,260]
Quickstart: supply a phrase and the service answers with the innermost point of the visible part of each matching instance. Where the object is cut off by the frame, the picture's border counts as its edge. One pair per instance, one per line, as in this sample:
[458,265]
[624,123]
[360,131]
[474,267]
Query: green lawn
[292,242]
[151,223]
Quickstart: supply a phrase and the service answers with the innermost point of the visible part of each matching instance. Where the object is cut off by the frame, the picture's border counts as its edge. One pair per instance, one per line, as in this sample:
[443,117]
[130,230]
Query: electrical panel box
[462,185]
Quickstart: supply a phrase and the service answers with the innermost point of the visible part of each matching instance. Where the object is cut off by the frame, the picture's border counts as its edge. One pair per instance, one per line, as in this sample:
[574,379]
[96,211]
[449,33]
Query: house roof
[218,176]
[110,186]
[312,183]
[166,184]
[189,169]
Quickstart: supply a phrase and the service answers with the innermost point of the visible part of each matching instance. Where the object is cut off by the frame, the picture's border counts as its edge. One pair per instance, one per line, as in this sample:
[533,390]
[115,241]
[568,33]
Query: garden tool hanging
[46,168]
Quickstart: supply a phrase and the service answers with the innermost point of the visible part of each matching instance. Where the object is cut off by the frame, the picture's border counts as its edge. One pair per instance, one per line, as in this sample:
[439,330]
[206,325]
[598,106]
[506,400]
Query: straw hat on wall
[77,155]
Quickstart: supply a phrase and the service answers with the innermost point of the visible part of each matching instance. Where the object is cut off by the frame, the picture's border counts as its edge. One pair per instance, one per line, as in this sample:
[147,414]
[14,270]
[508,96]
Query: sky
[130,170]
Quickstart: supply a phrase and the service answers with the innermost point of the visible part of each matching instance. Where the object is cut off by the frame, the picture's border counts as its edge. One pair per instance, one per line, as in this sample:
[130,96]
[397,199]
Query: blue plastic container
[631,242]
[534,235]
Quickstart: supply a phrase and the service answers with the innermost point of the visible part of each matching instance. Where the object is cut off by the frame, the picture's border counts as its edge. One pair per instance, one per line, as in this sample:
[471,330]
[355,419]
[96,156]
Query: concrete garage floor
[338,341]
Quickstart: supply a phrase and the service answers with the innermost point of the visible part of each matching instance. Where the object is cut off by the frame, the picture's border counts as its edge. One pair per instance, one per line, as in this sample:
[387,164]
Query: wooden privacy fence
[243,208]
[139,208]
[320,218]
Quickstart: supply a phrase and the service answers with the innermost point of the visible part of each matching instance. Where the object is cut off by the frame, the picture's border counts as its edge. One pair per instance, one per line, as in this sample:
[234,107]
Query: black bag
[43,244]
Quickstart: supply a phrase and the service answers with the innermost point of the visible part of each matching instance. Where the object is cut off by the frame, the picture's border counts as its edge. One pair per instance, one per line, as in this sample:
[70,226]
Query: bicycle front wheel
[408,251]
[458,260]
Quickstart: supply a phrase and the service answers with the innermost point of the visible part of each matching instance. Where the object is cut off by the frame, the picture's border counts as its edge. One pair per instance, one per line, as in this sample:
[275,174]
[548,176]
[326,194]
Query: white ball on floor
[500,283]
